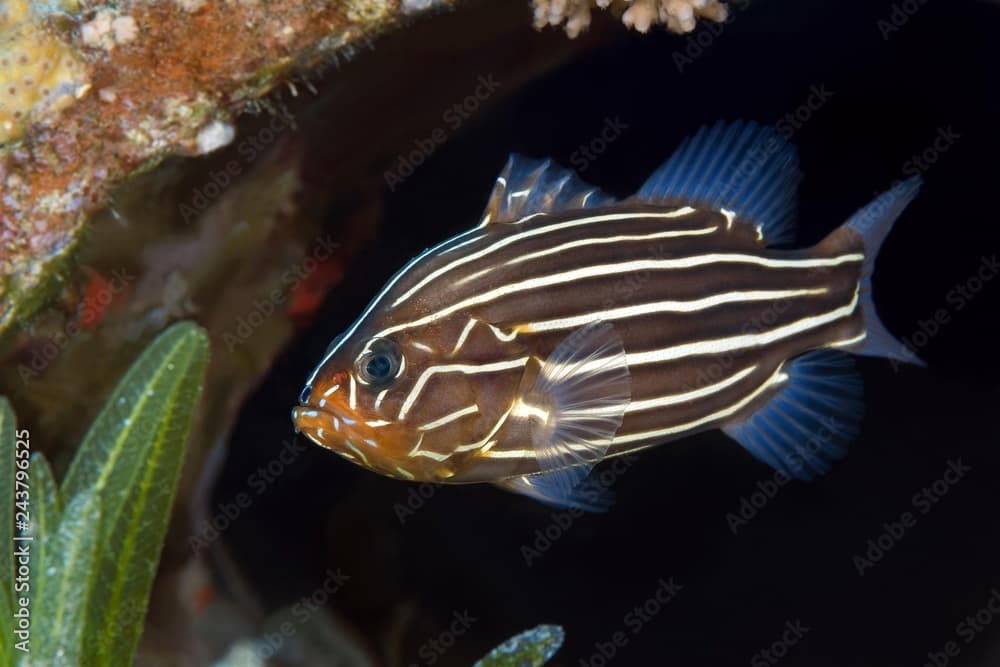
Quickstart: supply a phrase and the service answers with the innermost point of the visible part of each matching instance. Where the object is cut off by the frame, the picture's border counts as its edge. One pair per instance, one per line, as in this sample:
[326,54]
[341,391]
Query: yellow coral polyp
[39,74]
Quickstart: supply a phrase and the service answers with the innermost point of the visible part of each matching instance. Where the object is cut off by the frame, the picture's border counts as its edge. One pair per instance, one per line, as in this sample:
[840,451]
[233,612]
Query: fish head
[403,405]
[343,406]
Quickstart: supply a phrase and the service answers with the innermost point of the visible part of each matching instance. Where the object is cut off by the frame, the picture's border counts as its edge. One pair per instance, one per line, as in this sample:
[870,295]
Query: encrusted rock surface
[102,91]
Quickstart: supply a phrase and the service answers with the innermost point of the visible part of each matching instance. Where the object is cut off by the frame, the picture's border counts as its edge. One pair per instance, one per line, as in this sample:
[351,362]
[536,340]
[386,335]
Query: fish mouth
[324,427]
[338,433]
[377,445]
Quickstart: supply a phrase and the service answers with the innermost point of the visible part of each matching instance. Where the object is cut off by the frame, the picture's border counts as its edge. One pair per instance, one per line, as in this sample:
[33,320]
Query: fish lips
[378,450]
[324,427]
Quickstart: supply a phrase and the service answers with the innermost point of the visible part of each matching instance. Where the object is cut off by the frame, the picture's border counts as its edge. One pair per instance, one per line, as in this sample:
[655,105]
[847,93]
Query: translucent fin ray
[577,404]
[873,224]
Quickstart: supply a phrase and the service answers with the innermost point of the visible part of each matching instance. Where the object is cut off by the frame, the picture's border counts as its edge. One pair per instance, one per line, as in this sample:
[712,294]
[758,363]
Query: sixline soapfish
[569,327]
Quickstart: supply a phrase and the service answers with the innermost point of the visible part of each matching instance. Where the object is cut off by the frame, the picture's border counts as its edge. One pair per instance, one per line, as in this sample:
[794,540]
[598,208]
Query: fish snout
[333,425]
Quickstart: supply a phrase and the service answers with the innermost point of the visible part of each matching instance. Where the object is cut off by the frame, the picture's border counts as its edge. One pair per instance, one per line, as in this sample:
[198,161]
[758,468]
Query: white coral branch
[680,16]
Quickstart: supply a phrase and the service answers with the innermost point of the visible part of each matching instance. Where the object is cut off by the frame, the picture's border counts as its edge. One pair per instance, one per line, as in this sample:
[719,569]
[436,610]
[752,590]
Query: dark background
[795,560]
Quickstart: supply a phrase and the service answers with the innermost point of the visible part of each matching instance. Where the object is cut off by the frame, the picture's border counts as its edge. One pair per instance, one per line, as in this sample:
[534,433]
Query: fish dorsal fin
[527,186]
[740,167]
[577,403]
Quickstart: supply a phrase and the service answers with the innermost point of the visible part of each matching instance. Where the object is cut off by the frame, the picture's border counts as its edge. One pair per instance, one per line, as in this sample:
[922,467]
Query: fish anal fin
[809,422]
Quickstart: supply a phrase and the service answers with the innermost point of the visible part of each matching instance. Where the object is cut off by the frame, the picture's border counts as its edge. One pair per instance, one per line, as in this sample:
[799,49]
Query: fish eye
[379,363]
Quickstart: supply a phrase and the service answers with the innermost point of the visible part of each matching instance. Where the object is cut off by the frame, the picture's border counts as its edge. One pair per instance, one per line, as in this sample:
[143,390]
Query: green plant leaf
[7,445]
[531,648]
[113,451]
[131,458]
[70,560]
[45,516]
[5,646]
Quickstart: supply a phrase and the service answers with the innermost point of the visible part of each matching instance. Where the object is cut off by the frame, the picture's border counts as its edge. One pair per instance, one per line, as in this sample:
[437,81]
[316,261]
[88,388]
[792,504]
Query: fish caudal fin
[742,167]
[809,423]
[873,223]
[578,402]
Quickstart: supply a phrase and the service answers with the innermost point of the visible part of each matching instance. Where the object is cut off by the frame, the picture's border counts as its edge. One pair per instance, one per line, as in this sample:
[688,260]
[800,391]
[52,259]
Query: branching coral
[678,16]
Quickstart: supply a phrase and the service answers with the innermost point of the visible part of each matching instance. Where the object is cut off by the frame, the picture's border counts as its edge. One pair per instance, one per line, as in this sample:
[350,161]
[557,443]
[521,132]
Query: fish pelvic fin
[873,224]
[588,495]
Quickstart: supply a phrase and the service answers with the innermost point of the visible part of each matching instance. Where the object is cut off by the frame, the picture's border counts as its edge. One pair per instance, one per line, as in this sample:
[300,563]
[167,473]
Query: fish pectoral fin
[575,406]
[744,168]
[527,186]
[588,495]
[808,424]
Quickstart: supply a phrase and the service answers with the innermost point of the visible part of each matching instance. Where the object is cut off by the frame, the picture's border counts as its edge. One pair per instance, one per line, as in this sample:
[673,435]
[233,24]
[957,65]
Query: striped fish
[569,327]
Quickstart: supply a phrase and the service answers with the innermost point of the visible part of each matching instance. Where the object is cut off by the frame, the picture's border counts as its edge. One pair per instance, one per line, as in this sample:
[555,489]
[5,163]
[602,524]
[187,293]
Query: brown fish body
[689,319]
